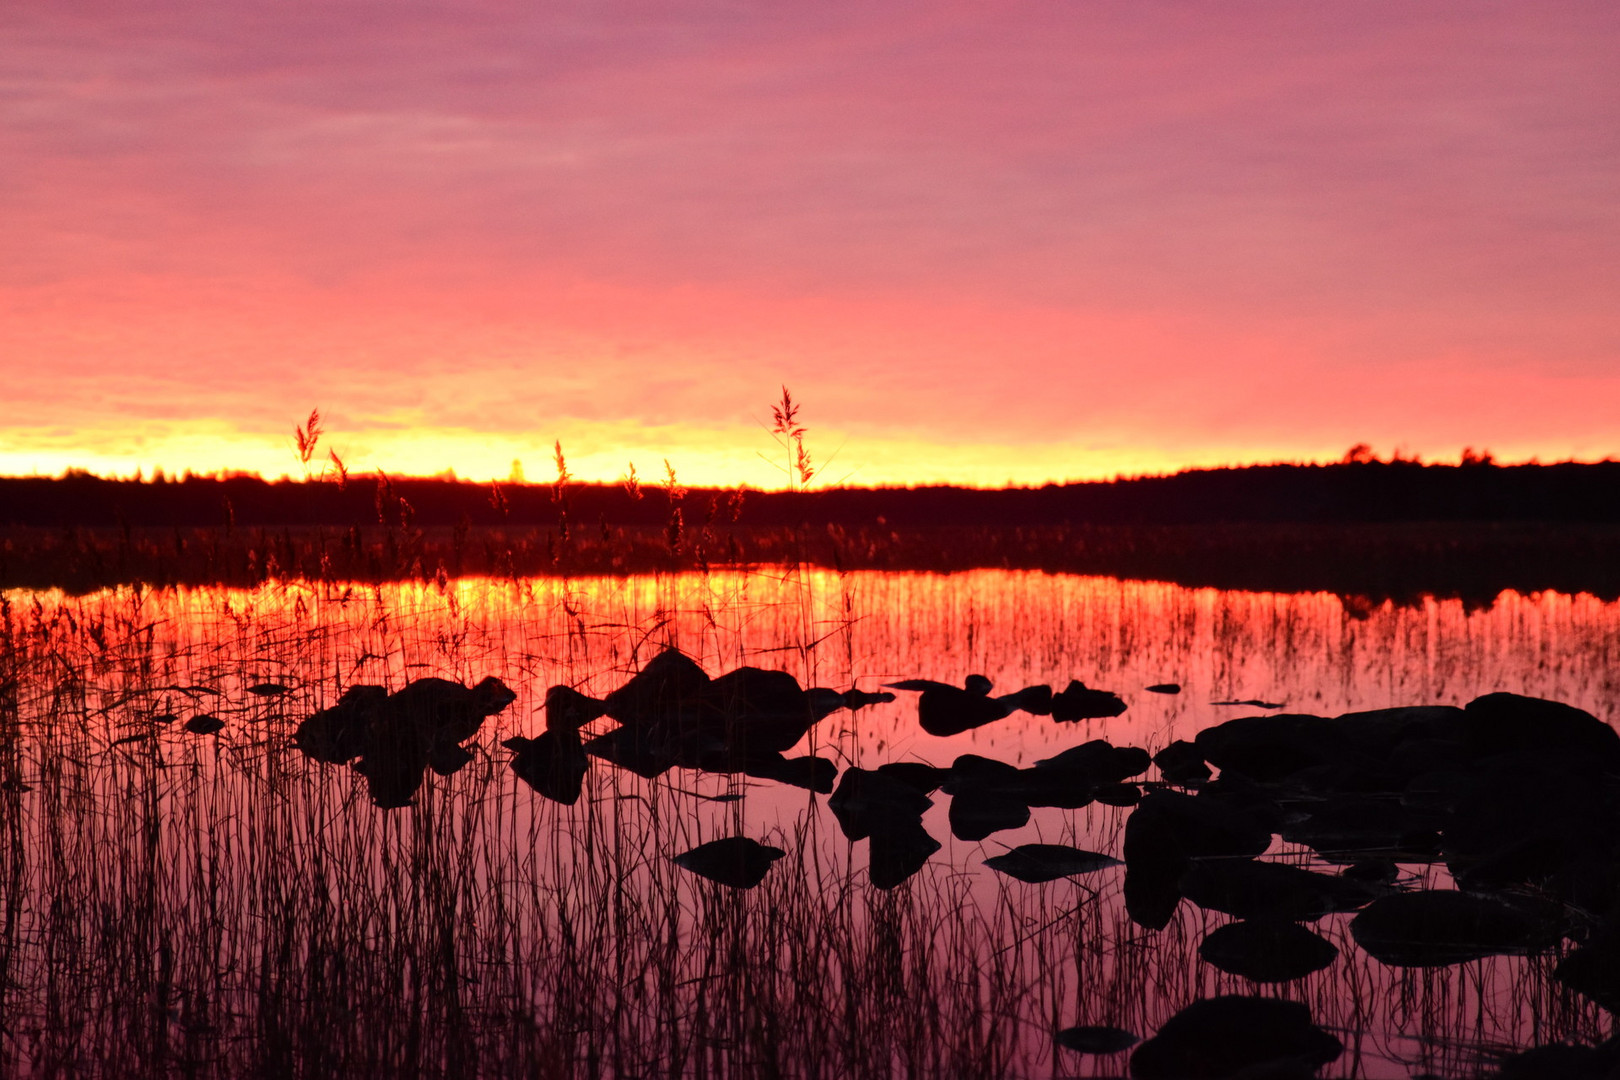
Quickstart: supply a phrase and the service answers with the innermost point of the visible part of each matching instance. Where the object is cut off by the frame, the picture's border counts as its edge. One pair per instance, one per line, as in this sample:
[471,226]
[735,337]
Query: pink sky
[981,242]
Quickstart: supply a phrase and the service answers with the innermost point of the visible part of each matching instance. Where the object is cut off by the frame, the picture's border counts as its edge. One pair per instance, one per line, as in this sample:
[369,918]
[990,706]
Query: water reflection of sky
[128,657]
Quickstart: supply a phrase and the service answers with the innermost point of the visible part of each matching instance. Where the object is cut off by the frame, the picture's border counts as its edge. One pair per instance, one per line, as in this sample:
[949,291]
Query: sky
[980,243]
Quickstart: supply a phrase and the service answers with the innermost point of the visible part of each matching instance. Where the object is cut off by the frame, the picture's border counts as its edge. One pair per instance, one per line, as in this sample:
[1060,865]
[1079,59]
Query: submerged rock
[867,802]
[204,724]
[944,709]
[879,806]
[1511,723]
[1096,1040]
[1047,862]
[1079,702]
[735,861]
[1251,889]
[338,734]
[1437,927]
[1269,950]
[1181,763]
[393,739]
[1224,1036]
[895,854]
[553,764]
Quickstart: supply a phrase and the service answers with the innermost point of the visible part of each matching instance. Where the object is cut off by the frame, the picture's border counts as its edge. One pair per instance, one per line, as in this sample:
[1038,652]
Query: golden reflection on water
[98,668]
[1311,652]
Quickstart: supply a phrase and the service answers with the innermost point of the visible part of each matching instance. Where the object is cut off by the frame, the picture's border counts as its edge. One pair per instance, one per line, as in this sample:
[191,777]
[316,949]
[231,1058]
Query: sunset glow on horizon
[981,244]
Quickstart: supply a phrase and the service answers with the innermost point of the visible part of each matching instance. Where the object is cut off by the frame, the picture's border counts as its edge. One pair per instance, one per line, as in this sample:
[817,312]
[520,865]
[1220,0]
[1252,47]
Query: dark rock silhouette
[554,764]
[1035,863]
[986,797]
[1437,927]
[1165,833]
[1096,1040]
[338,734]
[897,853]
[1267,950]
[1594,969]
[989,795]
[394,739]
[944,709]
[871,801]
[736,861]
[1252,889]
[1545,818]
[1079,702]
[806,771]
[1099,762]
[925,778]
[569,710]
[671,713]
[1352,828]
[668,687]
[1563,1062]
[1181,763]
[1224,1036]
[1271,748]
[1509,723]
[1117,794]
[881,806]
[860,699]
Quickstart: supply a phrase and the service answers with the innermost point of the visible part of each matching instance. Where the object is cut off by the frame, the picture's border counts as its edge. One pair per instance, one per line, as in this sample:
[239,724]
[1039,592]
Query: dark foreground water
[179,901]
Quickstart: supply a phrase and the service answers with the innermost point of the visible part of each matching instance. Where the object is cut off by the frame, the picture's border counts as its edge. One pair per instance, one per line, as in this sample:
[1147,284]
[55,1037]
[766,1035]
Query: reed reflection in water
[218,904]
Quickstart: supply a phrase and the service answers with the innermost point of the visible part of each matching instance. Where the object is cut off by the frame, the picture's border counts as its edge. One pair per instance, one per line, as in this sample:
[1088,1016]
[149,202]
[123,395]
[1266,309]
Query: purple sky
[981,242]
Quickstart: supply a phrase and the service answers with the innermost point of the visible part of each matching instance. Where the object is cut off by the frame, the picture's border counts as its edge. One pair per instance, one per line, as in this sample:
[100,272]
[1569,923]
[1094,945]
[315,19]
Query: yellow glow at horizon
[603,453]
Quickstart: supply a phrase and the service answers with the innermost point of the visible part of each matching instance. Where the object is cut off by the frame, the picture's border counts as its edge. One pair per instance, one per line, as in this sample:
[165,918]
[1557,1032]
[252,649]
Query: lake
[180,902]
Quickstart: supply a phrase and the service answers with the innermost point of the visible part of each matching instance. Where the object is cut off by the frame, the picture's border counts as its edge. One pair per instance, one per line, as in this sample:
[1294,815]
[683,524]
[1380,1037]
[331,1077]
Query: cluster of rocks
[394,739]
[1518,797]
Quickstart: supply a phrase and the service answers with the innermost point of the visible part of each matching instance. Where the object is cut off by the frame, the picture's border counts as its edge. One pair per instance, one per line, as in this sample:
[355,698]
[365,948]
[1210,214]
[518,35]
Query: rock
[1048,862]
[1250,889]
[1511,723]
[736,861]
[1080,702]
[553,764]
[338,734]
[1271,950]
[1223,1036]
[896,854]
[1096,1040]
[868,802]
[1181,763]
[569,710]
[1437,927]
[204,724]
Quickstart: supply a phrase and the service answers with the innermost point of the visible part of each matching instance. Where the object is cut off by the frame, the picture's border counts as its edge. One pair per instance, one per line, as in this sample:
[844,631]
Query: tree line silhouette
[1349,492]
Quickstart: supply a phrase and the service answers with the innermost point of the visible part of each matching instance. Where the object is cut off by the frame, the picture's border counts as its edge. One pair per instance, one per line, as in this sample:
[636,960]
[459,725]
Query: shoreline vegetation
[1368,530]
[1366,565]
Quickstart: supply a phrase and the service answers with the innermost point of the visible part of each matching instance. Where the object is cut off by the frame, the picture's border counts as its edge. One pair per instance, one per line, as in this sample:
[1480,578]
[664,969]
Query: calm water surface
[218,904]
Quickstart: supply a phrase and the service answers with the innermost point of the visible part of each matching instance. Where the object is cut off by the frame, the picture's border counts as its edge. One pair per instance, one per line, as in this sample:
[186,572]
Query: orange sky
[980,242]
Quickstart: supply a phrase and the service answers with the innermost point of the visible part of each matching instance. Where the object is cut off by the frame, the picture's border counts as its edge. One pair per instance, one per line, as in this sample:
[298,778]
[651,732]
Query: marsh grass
[182,905]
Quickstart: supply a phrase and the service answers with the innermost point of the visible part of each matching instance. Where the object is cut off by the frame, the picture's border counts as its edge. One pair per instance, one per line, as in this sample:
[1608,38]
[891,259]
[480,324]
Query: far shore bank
[1364,562]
